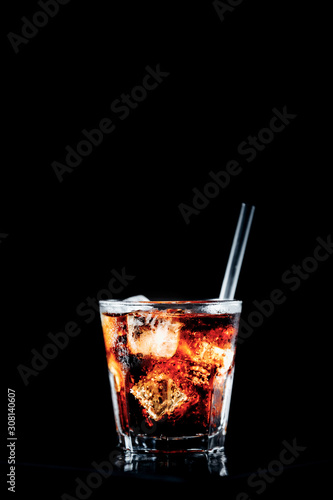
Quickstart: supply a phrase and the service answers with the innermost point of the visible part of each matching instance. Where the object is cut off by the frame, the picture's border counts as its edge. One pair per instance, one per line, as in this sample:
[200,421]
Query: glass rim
[135,303]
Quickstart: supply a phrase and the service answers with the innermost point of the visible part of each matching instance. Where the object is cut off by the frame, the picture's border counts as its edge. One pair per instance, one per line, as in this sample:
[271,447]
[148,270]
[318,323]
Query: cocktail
[171,364]
[171,370]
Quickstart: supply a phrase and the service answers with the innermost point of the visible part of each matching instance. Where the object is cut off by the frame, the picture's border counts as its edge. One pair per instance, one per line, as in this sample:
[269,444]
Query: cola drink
[171,369]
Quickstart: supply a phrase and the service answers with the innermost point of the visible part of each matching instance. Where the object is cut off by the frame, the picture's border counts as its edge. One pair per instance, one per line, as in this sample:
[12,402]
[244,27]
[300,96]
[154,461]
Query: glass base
[205,464]
[141,443]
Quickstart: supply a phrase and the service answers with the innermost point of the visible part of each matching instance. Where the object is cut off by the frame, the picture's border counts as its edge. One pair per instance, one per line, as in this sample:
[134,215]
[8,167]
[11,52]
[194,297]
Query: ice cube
[110,330]
[116,371]
[116,351]
[158,394]
[153,334]
[206,354]
[209,353]
[136,298]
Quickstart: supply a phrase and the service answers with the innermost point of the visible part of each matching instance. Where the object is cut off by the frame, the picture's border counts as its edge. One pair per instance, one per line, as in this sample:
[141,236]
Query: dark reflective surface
[172,464]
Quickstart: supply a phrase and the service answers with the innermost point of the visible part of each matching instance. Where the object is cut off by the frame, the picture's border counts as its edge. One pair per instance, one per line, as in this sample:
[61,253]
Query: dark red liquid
[169,369]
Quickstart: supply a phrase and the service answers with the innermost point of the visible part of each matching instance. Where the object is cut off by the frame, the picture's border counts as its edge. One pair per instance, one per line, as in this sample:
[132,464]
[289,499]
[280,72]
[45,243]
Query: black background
[120,209]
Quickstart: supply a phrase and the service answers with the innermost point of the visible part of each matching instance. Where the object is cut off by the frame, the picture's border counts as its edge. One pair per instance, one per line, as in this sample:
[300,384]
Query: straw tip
[248,205]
